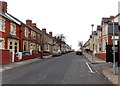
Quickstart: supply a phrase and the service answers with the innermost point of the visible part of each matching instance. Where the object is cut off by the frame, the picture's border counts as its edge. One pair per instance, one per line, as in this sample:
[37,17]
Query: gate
[109,53]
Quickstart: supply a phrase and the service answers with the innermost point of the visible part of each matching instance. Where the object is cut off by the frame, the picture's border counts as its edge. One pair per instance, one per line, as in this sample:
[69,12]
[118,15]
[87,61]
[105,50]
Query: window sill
[2,30]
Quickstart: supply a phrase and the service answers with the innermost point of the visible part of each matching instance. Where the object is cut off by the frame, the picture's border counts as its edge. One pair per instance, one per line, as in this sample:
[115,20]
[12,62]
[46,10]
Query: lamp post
[114,65]
[114,62]
[92,40]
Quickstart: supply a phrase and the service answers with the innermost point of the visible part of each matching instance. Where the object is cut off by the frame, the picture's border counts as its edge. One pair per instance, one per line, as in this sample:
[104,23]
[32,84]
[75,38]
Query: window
[26,32]
[1,25]
[34,35]
[12,30]
[15,47]
[38,36]
[13,44]
[47,47]
[28,46]
[1,44]
[10,45]
[25,46]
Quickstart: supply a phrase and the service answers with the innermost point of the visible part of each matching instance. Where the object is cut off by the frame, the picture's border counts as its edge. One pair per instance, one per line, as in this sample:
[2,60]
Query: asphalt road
[65,69]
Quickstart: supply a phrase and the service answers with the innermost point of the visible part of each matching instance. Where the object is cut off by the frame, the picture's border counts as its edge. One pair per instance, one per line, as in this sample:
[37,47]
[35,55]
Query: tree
[80,44]
[60,38]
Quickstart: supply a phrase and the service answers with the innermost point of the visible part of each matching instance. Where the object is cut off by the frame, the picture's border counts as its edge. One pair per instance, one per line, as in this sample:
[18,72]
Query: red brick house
[16,37]
[20,41]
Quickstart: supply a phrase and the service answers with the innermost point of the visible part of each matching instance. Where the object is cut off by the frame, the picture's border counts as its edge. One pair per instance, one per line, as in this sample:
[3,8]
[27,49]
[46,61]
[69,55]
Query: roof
[18,22]
[99,28]
[12,37]
[105,20]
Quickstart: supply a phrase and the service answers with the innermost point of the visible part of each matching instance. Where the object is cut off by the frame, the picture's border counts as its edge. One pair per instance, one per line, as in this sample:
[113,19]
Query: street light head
[92,25]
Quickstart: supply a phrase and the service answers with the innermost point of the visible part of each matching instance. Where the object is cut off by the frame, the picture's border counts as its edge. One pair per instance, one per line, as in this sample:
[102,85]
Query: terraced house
[20,41]
[102,40]
[18,38]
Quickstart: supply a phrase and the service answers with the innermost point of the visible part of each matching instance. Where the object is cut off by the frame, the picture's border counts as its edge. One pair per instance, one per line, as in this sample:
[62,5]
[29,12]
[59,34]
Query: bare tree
[80,44]
[60,38]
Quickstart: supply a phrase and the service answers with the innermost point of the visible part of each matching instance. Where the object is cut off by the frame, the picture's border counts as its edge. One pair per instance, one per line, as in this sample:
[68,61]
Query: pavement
[93,59]
[66,69]
[21,63]
[105,70]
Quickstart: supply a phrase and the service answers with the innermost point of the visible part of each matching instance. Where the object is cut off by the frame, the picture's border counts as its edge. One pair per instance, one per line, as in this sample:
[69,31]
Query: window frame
[3,30]
[26,32]
[13,44]
[14,29]
[3,43]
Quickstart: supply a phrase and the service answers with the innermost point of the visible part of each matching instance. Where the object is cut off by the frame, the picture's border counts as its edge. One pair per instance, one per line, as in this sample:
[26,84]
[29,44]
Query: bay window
[1,44]
[13,44]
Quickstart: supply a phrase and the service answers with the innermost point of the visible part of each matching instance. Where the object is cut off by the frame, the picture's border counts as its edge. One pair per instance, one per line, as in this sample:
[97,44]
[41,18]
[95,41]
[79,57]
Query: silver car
[57,53]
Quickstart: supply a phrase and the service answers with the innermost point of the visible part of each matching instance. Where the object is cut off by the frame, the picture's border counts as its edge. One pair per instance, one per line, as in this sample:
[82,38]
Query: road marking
[44,77]
[89,67]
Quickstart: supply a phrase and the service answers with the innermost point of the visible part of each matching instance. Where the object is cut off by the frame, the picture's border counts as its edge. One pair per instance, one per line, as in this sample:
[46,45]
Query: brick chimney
[29,22]
[50,33]
[3,6]
[33,25]
[111,17]
[44,30]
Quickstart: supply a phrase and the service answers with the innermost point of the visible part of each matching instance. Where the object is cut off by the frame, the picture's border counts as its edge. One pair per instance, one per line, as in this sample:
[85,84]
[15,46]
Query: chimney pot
[50,33]
[34,25]
[29,22]
[44,30]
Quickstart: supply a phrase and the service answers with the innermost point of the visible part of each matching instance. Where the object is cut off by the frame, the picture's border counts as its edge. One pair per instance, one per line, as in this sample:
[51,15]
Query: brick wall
[101,55]
[6,57]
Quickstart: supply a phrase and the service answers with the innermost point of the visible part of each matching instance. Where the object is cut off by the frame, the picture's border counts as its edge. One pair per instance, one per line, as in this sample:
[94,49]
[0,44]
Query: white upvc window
[26,32]
[2,25]
[32,34]
[13,29]
[2,44]
[13,45]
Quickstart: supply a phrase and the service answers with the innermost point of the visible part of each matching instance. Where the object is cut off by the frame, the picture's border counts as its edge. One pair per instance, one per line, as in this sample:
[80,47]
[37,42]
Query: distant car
[63,51]
[79,52]
[56,53]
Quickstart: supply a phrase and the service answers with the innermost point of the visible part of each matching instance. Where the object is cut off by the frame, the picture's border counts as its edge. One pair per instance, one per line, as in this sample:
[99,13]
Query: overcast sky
[73,18]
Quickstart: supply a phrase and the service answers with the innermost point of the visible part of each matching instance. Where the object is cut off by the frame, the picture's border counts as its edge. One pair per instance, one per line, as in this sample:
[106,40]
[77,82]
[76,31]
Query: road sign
[110,28]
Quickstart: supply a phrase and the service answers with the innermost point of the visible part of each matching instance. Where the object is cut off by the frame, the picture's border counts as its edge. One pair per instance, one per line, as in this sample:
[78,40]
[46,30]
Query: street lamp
[92,39]
[114,65]
[114,62]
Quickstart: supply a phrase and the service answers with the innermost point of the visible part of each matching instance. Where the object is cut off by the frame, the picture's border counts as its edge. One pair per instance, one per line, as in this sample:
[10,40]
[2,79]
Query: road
[65,69]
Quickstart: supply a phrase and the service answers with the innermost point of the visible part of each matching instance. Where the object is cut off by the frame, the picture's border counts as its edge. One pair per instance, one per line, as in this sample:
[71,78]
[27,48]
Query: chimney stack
[44,30]
[111,17]
[3,6]
[34,25]
[29,22]
[50,33]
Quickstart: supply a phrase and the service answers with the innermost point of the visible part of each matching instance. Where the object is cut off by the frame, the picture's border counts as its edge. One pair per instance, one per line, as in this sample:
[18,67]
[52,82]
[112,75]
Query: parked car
[56,53]
[79,52]
[63,51]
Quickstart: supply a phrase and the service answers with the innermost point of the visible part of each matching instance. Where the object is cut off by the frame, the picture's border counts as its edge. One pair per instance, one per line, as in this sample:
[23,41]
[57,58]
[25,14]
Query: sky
[73,18]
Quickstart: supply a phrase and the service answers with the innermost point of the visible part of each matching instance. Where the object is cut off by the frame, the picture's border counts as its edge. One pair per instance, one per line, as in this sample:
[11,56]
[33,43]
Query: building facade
[21,41]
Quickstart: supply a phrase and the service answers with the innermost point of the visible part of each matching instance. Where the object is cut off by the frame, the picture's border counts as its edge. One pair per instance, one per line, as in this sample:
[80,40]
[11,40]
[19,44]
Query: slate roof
[12,37]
